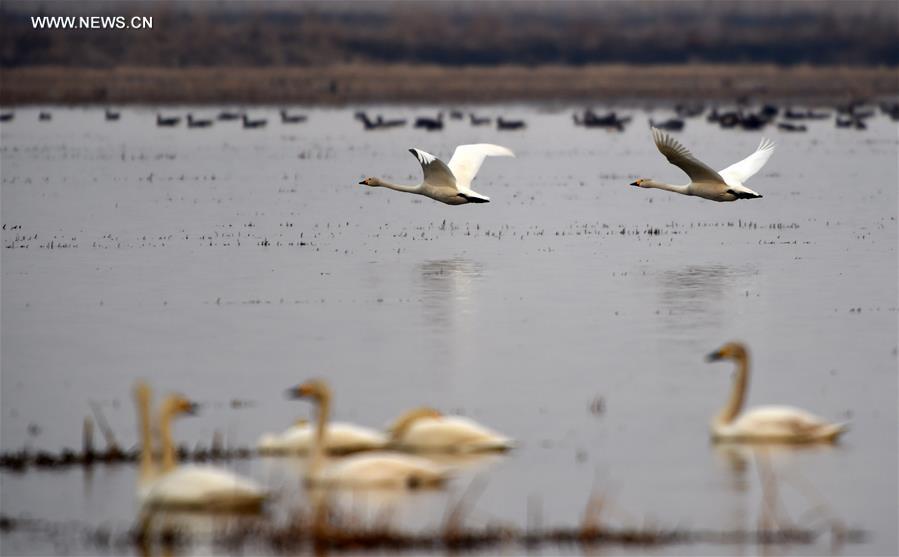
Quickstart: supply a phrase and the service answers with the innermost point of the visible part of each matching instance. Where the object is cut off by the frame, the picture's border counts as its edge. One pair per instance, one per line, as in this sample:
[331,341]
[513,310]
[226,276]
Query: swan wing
[384,470]
[204,486]
[467,160]
[748,167]
[452,434]
[784,422]
[340,437]
[679,156]
[436,173]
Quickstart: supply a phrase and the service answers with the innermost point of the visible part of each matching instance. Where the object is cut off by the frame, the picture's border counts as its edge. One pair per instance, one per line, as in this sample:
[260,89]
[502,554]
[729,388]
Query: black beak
[294,393]
[713,357]
[362,183]
[635,184]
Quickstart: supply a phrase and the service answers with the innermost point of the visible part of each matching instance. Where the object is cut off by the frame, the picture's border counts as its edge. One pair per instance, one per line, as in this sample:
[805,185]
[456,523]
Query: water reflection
[699,292]
[447,289]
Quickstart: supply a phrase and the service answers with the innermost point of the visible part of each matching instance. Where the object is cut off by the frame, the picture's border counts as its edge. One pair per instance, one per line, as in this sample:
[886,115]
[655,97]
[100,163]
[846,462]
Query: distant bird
[252,124]
[379,123]
[671,125]
[479,120]
[340,438]
[726,185]
[112,116]
[689,110]
[503,124]
[590,119]
[428,430]
[450,184]
[197,123]
[850,121]
[7,116]
[44,116]
[167,121]
[788,127]
[430,124]
[387,123]
[287,118]
[228,115]
[796,114]
[764,424]
[456,115]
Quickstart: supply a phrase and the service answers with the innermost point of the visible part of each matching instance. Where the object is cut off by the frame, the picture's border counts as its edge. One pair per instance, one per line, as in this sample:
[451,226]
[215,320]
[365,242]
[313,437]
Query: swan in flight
[448,183]
[427,430]
[369,470]
[203,488]
[340,438]
[724,185]
[776,424]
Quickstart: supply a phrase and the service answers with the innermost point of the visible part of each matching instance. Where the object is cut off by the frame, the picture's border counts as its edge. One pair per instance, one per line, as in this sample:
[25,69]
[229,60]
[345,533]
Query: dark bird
[167,121]
[252,124]
[292,118]
[197,123]
[112,116]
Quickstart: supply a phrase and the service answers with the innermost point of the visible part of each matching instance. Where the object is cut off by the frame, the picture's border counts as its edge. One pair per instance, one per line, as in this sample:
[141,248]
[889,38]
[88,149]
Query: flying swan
[427,430]
[725,185]
[773,424]
[448,183]
[201,488]
[369,470]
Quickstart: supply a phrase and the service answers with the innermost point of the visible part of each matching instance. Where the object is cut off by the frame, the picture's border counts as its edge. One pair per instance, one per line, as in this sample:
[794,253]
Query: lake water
[230,264]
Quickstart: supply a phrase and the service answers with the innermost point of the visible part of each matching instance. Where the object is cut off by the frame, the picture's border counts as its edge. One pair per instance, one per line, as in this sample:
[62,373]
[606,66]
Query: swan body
[723,185]
[340,438]
[765,424]
[370,470]
[205,488]
[427,430]
[448,183]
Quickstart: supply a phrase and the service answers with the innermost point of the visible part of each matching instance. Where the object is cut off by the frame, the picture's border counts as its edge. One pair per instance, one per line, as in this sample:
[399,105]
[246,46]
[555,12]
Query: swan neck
[738,392]
[684,189]
[399,187]
[146,438]
[169,459]
[318,448]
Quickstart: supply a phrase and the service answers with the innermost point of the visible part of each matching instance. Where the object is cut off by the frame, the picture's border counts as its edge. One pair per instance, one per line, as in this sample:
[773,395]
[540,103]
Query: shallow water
[230,264]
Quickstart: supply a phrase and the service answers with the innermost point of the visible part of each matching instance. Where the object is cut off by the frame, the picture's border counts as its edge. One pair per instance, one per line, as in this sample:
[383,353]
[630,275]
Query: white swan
[340,438]
[369,470]
[725,185]
[204,488]
[777,424]
[450,184]
[427,430]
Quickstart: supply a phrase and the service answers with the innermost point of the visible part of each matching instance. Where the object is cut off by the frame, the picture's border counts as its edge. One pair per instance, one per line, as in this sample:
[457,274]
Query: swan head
[179,405]
[730,351]
[642,183]
[373,182]
[315,389]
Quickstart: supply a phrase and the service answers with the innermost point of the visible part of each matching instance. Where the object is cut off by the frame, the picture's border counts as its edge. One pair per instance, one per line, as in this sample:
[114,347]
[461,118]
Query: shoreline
[359,84]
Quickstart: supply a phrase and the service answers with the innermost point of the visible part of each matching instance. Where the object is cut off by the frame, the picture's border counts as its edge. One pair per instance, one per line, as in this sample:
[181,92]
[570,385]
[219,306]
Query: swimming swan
[340,438]
[778,424]
[450,184]
[427,430]
[369,470]
[726,185]
[204,488]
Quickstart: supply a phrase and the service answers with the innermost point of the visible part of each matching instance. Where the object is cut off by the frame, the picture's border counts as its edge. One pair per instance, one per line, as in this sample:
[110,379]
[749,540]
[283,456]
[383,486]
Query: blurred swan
[448,183]
[340,438]
[205,488]
[427,430]
[726,185]
[778,424]
[370,470]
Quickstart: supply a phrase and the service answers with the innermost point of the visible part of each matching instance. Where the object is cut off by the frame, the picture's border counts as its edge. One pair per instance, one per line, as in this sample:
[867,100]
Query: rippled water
[230,264]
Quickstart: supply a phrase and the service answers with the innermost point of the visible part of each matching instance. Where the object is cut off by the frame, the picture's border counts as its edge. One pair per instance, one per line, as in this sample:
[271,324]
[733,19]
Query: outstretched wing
[748,167]
[467,160]
[436,173]
[679,156]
